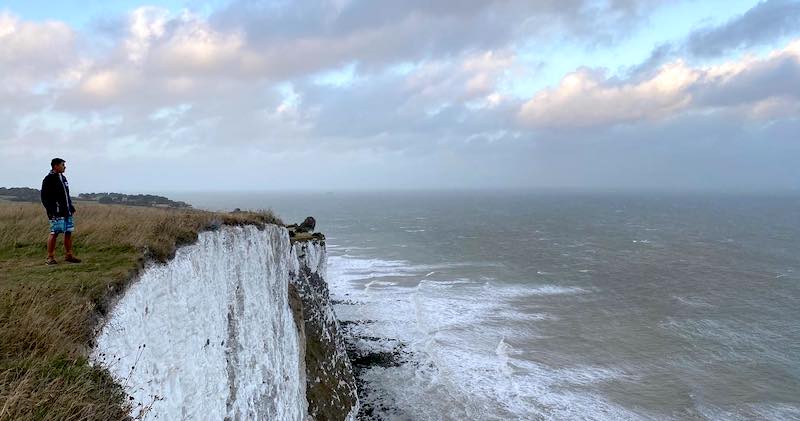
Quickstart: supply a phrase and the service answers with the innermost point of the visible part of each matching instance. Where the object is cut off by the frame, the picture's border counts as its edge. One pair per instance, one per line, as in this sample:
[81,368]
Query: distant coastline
[26,194]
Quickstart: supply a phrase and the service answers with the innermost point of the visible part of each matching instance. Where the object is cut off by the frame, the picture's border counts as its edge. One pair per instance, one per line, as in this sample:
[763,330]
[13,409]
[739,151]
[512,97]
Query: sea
[531,305]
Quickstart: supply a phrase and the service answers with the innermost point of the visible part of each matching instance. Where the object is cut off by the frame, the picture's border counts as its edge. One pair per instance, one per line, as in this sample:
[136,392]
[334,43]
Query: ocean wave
[691,301]
[371,284]
[457,331]
[555,290]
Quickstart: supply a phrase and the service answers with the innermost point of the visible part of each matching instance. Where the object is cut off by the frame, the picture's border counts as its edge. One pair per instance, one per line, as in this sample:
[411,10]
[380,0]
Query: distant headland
[26,194]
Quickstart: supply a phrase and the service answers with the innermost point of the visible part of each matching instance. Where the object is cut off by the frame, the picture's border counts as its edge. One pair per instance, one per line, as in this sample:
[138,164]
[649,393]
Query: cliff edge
[330,383]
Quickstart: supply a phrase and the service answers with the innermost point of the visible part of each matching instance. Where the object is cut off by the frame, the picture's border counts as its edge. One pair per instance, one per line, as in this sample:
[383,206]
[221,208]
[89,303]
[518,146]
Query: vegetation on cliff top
[48,314]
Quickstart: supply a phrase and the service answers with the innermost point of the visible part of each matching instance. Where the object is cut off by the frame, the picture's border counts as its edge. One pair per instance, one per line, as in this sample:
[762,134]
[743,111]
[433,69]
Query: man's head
[58,165]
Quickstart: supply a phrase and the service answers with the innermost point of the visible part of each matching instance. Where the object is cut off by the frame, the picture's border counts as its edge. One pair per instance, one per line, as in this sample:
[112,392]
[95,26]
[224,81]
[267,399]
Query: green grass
[48,314]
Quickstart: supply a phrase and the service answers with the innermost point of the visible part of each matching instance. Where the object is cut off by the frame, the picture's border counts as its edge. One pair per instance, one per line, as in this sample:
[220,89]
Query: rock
[307,225]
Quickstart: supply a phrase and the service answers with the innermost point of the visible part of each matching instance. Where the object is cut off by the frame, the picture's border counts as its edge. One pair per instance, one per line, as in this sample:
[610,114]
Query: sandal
[50,261]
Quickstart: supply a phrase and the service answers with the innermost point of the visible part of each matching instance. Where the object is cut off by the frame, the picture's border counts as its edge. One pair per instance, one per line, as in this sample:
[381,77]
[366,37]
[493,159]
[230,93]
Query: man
[56,200]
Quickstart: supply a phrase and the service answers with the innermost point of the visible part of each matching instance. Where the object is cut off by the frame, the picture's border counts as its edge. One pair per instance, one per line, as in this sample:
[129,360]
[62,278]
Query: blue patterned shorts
[59,225]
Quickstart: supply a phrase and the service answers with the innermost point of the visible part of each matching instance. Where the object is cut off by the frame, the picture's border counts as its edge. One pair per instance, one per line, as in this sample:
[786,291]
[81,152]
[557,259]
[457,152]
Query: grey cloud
[694,152]
[316,34]
[661,54]
[389,113]
[763,23]
[691,152]
[778,77]
[710,151]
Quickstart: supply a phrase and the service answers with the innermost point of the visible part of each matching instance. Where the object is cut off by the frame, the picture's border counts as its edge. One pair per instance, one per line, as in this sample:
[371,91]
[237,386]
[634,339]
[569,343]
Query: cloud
[36,59]
[763,24]
[424,99]
[767,21]
[32,51]
[588,98]
[688,152]
[228,95]
[437,104]
[751,80]
[313,35]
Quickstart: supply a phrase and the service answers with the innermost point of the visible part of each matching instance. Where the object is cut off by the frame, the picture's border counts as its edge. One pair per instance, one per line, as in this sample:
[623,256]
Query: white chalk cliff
[212,335]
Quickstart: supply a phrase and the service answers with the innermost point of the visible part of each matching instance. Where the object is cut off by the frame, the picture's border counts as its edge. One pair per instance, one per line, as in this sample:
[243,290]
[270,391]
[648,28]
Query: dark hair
[56,161]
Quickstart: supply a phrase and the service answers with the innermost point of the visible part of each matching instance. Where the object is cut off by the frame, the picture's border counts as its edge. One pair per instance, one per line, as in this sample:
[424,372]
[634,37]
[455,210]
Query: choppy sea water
[563,306]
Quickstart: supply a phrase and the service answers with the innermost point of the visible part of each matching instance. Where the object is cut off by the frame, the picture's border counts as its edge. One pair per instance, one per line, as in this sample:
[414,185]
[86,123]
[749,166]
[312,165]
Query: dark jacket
[55,196]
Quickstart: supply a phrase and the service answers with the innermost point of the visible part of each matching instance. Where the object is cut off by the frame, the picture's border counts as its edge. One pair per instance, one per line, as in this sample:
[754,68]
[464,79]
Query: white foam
[457,330]
[691,301]
[371,284]
[554,290]
[503,350]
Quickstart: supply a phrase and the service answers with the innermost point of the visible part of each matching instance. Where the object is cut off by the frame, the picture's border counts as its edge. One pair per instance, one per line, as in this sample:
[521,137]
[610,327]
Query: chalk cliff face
[330,385]
[211,334]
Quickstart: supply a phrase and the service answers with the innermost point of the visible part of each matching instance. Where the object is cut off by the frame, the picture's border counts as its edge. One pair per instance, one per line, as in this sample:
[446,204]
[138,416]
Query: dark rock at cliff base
[377,359]
[369,352]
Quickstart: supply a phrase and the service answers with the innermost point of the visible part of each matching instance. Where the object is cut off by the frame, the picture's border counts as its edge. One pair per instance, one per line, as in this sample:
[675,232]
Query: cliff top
[48,313]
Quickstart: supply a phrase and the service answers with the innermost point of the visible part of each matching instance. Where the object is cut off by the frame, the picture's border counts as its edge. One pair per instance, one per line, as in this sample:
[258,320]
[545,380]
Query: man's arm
[47,198]
[68,198]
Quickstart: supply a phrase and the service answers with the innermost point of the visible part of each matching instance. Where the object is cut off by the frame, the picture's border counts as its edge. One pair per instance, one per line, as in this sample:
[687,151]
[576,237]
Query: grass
[48,314]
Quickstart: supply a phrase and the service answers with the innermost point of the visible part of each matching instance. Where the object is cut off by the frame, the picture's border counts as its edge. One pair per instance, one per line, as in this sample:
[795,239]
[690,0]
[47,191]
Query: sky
[243,95]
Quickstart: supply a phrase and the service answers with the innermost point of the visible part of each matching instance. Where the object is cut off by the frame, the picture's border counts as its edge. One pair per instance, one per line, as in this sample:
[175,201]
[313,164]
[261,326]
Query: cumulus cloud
[765,22]
[30,52]
[160,61]
[589,98]
[229,95]
[586,98]
[36,59]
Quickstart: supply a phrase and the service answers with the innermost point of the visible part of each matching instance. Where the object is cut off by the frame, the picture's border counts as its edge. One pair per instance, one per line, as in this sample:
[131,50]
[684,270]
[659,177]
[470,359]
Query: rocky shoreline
[367,353]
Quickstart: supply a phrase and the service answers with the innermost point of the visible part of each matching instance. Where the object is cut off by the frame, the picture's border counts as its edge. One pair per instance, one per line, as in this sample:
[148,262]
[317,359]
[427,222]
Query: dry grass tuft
[48,313]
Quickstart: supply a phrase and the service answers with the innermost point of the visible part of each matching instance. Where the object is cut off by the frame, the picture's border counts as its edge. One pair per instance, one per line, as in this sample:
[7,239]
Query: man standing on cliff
[58,204]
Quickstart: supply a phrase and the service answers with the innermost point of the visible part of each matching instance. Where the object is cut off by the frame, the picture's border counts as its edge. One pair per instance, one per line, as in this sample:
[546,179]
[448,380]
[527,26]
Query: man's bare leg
[51,246]
[68,246]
